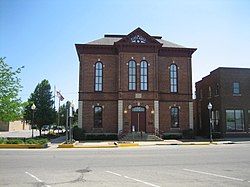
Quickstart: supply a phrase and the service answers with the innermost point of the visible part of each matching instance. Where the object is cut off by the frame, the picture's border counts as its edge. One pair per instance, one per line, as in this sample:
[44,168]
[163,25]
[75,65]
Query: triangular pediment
[138,36]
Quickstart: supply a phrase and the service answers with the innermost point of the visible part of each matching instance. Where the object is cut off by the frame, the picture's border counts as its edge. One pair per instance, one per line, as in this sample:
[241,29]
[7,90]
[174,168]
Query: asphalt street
[210,165]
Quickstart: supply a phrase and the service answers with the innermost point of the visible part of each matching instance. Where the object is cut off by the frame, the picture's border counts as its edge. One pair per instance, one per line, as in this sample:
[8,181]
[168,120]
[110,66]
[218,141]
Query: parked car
[45,127]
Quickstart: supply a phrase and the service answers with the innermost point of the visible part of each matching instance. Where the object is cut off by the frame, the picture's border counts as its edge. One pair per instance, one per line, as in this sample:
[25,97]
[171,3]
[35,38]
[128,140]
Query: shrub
[188,134]
[78,133]
[30,141]
[101,137]
[42,141]
[172,136]
[23,141]
[2,140]
[15,141]
[216,135]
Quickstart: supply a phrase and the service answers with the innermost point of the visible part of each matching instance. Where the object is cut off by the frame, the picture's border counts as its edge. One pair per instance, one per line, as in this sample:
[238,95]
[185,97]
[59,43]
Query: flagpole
[58,123]
[54,97]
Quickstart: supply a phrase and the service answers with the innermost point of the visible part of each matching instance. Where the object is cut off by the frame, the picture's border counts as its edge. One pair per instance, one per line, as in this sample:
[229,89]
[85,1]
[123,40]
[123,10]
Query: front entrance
[138,119]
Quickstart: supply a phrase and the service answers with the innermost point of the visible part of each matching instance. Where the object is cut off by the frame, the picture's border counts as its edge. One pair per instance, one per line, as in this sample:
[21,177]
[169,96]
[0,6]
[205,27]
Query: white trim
[191,115]
[120,116]
[156,115]
[80,111]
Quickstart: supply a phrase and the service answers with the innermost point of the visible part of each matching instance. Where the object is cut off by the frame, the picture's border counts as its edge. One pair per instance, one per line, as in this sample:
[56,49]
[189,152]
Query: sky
[41,34]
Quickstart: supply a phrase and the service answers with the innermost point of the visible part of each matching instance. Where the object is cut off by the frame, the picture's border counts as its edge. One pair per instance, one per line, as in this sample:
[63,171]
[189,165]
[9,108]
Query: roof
[110,40]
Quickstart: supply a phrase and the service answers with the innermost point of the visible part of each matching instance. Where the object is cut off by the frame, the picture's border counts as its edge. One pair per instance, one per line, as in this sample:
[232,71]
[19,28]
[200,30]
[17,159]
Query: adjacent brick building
[228,90]
[135,81]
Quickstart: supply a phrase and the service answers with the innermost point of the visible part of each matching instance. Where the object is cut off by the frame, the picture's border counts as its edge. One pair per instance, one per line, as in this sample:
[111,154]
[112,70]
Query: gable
[138,36]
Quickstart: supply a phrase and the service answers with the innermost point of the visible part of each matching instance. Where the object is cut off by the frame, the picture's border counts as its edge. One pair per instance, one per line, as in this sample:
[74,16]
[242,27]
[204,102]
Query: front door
[138,119]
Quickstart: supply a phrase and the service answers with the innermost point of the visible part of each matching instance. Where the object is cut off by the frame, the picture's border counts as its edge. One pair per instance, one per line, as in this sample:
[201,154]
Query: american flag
[59,95]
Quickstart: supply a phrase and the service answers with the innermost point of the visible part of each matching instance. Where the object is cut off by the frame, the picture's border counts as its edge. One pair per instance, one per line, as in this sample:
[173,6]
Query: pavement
[114,144]
[19,134]
[157,166]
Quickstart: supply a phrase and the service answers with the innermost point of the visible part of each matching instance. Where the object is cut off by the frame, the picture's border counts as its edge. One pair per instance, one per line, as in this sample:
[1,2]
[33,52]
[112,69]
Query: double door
[138,119]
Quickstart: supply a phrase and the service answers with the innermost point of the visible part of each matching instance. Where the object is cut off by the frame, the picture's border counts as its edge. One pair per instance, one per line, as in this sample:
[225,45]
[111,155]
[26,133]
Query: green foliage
[40,141]
[188,134]
[15,141]
[176,136]
[11,107]
[78,133]
[101,137]
[216,135]
[62,115]
[44,114]
[2,140]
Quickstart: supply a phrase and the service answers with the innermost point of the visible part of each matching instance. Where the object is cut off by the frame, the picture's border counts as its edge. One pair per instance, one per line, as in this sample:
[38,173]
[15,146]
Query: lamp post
[209,107]
[33,107]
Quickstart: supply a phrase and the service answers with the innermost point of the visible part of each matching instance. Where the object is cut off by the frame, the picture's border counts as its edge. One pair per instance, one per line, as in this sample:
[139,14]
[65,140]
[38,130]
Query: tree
[44,113]
[62,115]
[11,106]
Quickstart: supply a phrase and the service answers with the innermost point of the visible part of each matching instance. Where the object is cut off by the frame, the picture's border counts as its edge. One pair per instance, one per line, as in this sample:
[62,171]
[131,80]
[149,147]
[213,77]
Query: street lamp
[209,107]
[33,107]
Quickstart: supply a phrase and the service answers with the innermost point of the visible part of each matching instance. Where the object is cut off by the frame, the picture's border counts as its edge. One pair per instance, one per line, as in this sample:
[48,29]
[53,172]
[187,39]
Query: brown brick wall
[88,71]
[165,117]
[109,116]
[184,73]
[225,100]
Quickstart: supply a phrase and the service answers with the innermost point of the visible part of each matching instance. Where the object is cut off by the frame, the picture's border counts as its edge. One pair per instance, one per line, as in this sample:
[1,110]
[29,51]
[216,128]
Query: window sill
[175,128]
[236,132]
[237,95]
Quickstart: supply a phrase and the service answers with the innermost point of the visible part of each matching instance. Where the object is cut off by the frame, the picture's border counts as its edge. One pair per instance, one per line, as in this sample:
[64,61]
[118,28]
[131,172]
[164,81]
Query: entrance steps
[140,136]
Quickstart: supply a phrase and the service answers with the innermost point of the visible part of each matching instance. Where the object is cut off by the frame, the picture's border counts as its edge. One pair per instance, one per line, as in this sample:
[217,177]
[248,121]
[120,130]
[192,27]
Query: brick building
[228,90]
[134,81]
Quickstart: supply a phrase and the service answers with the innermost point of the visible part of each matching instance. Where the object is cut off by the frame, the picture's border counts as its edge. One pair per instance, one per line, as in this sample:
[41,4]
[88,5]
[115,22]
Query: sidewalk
[115,144]
[19,134]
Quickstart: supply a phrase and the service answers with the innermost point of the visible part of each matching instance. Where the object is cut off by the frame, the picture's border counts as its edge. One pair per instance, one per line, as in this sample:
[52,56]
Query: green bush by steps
[80,135]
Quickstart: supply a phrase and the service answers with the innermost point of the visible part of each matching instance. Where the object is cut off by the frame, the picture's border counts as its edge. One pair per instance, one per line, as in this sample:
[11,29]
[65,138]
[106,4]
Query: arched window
[97,117]
[173,79]
[144,75]
[174,117]
[209,92]
[132,75]
[98,76]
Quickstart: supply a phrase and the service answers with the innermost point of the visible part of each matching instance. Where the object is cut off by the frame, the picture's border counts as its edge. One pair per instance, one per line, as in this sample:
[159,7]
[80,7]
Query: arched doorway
[138,118]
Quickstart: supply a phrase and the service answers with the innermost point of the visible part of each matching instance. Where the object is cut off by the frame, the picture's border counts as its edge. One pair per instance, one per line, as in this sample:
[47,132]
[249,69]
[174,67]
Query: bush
[40,141]
[216,135]
[30,141]
[188,134]
[172,136]
[15,141]
[101,137]
[3,140]
[78,133]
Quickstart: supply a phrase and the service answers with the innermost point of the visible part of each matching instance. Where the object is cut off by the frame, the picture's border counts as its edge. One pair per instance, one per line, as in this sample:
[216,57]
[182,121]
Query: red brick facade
[115,98]
[223,100]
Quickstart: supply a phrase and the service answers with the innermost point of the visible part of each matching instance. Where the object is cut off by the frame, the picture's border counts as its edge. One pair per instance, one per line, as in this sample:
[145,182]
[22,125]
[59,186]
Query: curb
[115,145]
[226,142]
[63,145]
[195,143]
[128,145]
[22,146]
[95,146]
